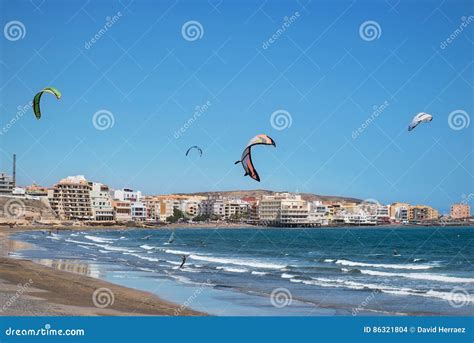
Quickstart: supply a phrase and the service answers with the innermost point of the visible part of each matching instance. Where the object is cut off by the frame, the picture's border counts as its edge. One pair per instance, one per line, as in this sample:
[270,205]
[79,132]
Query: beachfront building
[460,211]
[399,212]
[153,206]
[101,202]
[122,210]
[284,209]
[70,198]
[138,210]
[383,214]
[127,194]
[318,213]
[6,184]
[235,209]
[213,206]
[419,213]
[357,217]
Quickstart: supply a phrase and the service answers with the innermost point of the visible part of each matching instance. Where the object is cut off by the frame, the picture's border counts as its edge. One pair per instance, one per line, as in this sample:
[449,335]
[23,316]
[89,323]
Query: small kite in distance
[418,119]
[37,98]
[194,147]
[246,158]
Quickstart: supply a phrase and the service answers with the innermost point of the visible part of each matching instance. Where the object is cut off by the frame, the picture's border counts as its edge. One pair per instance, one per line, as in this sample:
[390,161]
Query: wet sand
[27,289]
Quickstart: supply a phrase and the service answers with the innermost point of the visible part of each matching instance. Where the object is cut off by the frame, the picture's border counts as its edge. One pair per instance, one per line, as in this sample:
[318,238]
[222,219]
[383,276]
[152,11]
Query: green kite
[37,98]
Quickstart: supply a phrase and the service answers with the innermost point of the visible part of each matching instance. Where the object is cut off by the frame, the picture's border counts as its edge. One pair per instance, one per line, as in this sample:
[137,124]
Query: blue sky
[320,70]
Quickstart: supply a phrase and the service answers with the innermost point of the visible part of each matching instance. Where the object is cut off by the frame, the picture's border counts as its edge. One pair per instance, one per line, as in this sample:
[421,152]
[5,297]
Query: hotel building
[460,211]
[70,198]
[421,212]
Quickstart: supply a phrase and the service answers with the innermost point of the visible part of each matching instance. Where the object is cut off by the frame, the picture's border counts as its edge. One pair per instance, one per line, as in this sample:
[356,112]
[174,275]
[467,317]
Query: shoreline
[55,227]
[28,288]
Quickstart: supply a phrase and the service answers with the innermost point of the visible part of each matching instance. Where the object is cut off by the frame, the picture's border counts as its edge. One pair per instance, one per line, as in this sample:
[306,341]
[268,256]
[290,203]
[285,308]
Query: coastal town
[74,200]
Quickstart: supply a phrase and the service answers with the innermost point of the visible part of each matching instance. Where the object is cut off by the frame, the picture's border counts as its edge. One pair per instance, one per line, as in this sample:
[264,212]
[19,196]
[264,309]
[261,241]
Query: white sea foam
[233,270]
[111,248]
[258,273]
[98,239]
[79,242]
[329,260]
[177,252]
[420,276]
[239,262]
[151,259]
[387,266]
[287,276]
[146,247]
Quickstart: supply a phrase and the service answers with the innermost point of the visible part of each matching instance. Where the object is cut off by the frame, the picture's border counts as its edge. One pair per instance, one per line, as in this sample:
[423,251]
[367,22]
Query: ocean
[280,272]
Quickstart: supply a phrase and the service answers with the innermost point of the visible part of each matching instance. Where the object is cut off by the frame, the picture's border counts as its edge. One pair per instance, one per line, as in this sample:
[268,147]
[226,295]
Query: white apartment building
[213,206]
[285,209]
[6,184]
[127,194]
[101,202]
[234,208]
[138,211]
[359,217]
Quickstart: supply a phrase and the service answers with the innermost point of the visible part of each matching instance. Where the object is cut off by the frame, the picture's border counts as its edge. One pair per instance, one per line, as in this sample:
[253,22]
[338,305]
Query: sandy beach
[30,289]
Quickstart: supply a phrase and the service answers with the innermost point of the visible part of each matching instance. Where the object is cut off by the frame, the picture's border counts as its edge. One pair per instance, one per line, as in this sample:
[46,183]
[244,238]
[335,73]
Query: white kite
[418,119]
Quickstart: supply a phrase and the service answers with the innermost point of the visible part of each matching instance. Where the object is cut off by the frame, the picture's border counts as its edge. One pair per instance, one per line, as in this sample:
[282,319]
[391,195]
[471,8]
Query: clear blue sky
[320,70]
